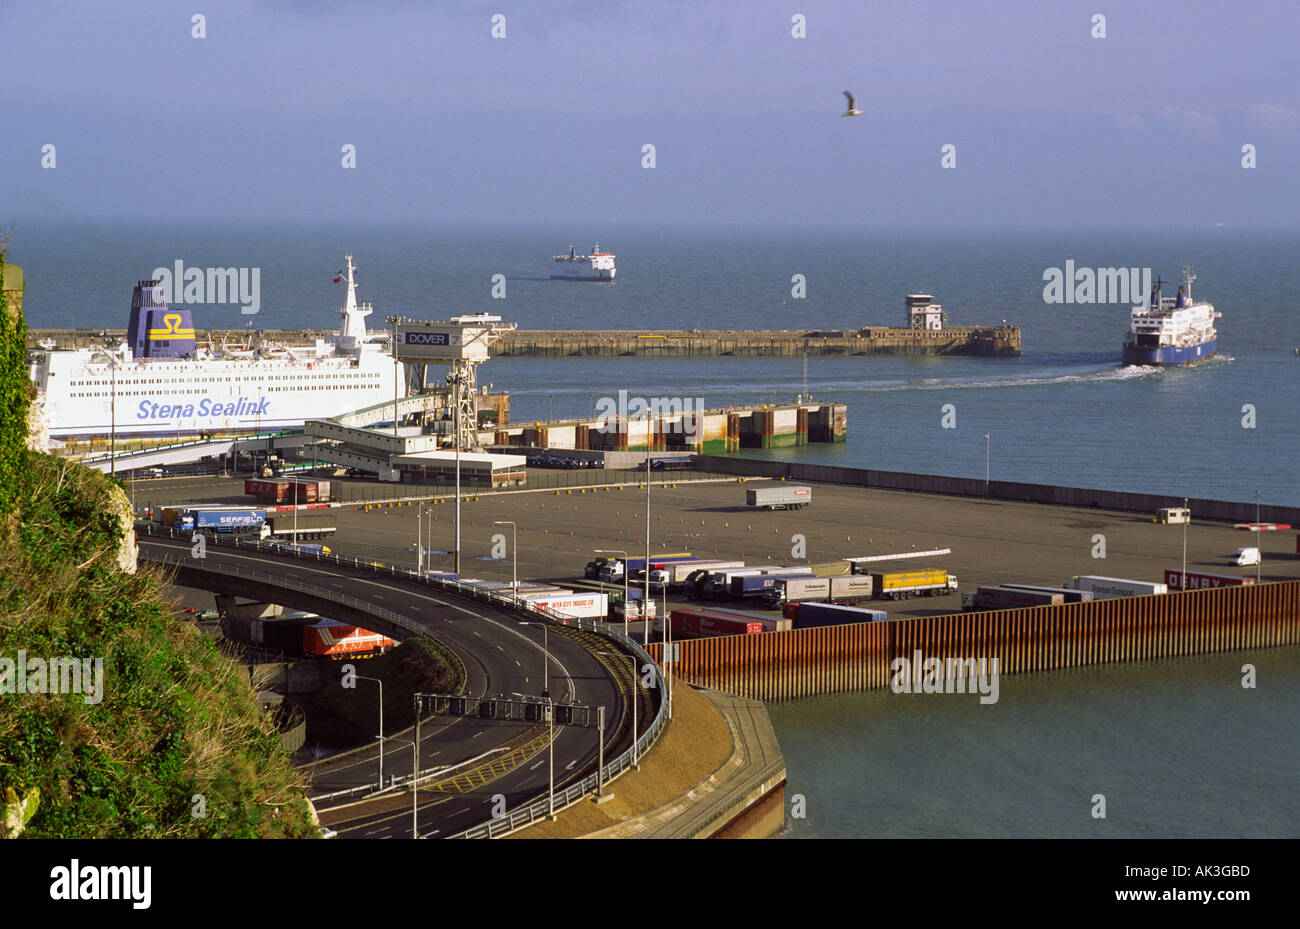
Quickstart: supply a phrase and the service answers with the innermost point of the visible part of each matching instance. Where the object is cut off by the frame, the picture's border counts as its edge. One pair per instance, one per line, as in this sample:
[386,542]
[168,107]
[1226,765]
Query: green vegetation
[173,733]
[175,720]
[15,394]
[349,715]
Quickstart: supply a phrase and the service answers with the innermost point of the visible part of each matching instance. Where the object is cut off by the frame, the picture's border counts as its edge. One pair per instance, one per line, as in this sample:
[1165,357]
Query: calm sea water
[1065,412]
[1177,748]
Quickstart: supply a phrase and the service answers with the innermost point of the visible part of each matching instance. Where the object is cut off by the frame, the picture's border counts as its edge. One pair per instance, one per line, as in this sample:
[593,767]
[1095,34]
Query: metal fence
[530,811]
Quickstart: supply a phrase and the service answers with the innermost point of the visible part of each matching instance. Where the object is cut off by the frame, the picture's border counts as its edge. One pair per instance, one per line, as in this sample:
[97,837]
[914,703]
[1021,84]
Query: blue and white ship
[1171,330]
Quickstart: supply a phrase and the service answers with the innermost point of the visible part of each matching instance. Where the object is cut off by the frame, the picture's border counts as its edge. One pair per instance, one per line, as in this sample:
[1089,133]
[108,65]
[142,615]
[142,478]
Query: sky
[1049,124]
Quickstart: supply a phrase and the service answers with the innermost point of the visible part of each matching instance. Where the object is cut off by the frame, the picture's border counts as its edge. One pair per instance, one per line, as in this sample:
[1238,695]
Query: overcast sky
[1050,125]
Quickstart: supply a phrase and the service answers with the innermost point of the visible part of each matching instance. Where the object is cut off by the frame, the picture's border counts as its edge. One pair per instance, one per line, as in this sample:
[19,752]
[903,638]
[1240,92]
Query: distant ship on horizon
[1171,330]
[598,266]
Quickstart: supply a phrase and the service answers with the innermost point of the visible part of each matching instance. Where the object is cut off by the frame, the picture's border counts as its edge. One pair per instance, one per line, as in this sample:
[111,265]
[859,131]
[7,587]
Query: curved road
[501,655]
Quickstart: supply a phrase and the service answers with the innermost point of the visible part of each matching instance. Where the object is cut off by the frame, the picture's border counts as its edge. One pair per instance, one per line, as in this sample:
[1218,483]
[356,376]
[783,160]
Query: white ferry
[598,266]
[160,381]
[1171,330]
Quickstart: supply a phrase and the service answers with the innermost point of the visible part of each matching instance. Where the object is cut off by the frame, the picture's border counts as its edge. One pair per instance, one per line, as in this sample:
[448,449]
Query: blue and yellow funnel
[156,331]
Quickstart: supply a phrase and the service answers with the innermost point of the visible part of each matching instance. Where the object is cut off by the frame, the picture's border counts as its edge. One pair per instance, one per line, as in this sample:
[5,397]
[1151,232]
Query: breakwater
[663,343]
[805,662]
[779,343]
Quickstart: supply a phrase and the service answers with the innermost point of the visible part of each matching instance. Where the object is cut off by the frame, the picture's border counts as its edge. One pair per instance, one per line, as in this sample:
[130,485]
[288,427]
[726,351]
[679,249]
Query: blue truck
[223,520]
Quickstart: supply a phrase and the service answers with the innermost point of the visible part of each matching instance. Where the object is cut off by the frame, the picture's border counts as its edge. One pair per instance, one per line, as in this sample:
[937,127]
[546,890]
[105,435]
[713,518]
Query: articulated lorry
[310,525]
[901,585]
[813,613]
[1007,598]
[1106,588]
[780,497]
[848,589]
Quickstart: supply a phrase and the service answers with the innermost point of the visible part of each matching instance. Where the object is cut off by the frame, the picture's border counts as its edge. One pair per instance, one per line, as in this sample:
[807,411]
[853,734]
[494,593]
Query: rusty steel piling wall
[831,659]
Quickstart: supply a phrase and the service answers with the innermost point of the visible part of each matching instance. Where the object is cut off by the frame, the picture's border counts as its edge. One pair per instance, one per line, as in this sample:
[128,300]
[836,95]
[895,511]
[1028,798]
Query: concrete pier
[665,343]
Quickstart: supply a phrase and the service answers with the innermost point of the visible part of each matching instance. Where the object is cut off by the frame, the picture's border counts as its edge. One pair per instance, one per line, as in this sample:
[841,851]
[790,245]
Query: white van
[1244,556]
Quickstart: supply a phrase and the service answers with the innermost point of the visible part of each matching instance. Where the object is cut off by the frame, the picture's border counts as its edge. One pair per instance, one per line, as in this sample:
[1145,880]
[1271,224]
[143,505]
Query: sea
[1178,747]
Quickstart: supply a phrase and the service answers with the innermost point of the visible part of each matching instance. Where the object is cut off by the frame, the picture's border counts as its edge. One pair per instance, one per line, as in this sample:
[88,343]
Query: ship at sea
[598,266]
[1171,330]
[161,382]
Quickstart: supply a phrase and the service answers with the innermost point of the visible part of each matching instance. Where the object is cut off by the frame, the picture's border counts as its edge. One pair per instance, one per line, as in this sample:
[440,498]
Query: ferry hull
[584,275]
[1169,355]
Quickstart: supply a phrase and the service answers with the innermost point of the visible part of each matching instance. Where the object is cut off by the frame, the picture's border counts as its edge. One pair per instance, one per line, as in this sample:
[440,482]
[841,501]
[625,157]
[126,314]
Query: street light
[1258,550]
[415,771]
[986,464]
[1187,518]
[381,724]
[546,653]
[636,761]
[514,552]
[615,551]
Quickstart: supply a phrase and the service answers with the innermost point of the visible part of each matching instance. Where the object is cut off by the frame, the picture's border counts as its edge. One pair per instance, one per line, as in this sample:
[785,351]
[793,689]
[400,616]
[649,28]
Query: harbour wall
[1231,511]
[761,343]
[667,343]
[804,662]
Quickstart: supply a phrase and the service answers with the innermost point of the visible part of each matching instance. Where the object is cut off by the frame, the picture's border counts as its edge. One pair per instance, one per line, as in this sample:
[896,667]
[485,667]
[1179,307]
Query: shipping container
[1070,595]
[586,605]
[809,614]
[636,564]
[331,637]
[832,568]
[309,525]
[698,623]
[289,490]
[1201,580]
[718,584]
[899,585]
[753,585]
[226,519]
[848,589]
[1008,598]
[1104,588]
[779,497]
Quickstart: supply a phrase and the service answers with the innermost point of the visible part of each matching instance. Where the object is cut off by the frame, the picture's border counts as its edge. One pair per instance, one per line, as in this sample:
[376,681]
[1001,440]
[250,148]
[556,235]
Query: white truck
[1105,588]
[780,497]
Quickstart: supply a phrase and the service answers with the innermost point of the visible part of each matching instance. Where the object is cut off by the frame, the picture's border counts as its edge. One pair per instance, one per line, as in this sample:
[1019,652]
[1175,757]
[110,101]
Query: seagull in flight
[853,106]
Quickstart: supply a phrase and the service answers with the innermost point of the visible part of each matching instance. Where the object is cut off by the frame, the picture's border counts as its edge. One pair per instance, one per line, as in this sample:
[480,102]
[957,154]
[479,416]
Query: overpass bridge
[499,645]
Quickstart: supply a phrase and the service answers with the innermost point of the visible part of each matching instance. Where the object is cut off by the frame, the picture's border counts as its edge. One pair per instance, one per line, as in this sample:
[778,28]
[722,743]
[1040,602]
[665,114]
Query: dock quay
[992,341]
[995,341]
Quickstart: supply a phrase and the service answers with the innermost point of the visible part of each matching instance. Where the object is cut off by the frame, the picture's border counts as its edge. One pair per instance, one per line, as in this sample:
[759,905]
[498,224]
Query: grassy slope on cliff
[174,720]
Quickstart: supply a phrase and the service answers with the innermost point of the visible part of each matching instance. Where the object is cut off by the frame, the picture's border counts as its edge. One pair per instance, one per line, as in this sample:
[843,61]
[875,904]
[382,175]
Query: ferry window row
[105,382]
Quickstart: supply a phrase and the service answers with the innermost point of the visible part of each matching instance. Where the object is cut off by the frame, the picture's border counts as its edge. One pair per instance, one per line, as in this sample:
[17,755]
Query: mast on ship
[1188,277]
[352,331]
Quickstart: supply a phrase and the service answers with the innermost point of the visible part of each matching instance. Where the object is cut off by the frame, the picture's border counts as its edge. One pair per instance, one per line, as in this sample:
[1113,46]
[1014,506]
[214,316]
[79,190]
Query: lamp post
[381,725]
[456,417]
[1187,518]
[514,553]
[415,771]
[1259,550]
[615,551]
[986,464]
[636,762]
